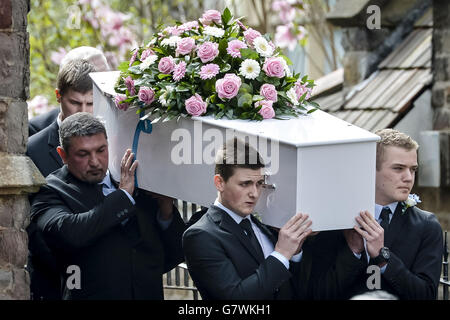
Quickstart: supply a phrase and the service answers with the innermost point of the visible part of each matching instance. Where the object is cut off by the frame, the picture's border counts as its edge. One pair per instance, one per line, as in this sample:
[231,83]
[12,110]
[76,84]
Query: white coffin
[325,166]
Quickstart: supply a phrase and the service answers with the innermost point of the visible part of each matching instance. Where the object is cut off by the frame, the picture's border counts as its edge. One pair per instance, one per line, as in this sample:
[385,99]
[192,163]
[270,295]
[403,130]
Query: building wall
[18,174]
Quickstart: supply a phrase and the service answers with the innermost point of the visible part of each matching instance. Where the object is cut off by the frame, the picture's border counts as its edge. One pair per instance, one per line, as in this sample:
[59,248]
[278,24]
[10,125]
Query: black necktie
[246,225]
[384,215]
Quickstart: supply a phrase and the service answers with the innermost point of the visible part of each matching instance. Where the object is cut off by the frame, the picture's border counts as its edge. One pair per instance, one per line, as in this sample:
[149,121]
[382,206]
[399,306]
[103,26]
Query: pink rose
[251,35]
[266,110]
[301,89]
[179,71]
[174,31]
[211,16]
[228,86]
[146,95]
[129,82]
[269,92]
[188,26]
[274,67]
[166,65]
[185,46]
[234,47]
[133,57]
[146,53]
[195,106]
[208,51]
[118,102]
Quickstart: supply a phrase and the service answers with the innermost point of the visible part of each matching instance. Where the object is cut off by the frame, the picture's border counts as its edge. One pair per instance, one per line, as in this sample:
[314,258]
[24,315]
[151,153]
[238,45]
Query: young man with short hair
[230,253]
[404,241]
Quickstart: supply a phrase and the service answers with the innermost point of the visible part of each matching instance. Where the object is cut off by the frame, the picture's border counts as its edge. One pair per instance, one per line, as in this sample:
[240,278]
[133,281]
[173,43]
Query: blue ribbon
[145,126]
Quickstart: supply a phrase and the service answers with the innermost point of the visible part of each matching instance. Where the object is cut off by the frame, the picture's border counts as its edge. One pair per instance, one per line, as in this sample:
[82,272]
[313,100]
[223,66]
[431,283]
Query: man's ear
[62,154]
[58,95]
[219,182]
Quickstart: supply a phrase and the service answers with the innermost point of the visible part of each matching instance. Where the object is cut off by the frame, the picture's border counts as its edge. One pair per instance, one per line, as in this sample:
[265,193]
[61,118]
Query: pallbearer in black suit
[94,57]
[230,253]
[120,241]
[74,95]
[404,241]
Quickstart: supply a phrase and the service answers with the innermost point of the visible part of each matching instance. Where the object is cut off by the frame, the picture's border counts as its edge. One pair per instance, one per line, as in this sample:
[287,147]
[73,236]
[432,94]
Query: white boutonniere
[257,216]
[412,200]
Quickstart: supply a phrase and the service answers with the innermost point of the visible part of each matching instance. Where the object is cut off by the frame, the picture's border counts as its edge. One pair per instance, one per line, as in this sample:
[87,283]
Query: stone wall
[441,64]
[18,175]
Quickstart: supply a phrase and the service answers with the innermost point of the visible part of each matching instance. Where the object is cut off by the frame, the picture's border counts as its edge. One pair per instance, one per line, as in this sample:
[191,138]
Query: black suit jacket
[119,247]
[41,148]
[45,281]
[223,264]
[416,245]
[42,121]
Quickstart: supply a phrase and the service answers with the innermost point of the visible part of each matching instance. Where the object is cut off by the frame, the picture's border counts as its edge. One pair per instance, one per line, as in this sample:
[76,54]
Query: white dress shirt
[108,187]
[265,243]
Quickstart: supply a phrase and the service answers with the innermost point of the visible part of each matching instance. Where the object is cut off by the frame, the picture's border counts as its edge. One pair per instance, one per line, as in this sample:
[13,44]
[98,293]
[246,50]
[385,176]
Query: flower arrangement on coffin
[213,66]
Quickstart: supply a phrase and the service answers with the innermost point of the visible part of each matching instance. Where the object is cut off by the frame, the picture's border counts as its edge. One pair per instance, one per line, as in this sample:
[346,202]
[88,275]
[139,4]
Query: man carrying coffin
[112,242]
[229,253]
[398,251]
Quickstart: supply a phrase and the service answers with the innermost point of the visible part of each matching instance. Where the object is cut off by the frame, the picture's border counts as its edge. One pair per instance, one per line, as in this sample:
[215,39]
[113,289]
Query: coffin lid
[317,128]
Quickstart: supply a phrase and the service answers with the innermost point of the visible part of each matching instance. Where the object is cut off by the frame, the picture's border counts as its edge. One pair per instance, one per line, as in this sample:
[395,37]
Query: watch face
[385,253]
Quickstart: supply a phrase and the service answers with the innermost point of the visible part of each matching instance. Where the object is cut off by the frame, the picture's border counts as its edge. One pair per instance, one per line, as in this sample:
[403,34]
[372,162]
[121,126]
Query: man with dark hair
[120,241]
[74,94]
[93,56]
[402,241]
[229,253]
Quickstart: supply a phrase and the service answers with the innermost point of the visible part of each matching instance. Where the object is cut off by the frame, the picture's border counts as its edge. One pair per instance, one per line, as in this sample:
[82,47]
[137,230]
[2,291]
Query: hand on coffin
[127,169]
[354,240]
[370,230]
[293,234]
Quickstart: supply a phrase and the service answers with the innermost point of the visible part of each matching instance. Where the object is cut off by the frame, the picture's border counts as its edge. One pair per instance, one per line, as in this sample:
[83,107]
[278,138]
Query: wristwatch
[383,257]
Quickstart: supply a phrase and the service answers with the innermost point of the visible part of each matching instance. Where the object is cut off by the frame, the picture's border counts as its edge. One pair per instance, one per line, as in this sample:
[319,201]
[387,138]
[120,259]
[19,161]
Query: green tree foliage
[113,26]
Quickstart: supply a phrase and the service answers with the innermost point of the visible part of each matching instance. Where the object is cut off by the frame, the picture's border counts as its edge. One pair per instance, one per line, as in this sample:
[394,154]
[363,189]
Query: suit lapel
[395,226]
[85,195]
[227,223]
[53,142]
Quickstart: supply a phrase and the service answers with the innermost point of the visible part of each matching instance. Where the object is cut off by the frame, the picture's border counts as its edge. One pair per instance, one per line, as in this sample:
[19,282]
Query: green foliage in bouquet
[214,66]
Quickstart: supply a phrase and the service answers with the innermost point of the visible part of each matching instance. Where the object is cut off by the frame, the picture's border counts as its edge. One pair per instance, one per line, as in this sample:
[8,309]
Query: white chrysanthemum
[286,68]
[263,47]
[214,31]
[250,69]
[148,62]
[292,95]
[171,42]
[163,98]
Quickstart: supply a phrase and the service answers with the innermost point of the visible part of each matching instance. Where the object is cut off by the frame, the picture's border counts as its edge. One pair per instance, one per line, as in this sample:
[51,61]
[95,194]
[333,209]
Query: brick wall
[18,174]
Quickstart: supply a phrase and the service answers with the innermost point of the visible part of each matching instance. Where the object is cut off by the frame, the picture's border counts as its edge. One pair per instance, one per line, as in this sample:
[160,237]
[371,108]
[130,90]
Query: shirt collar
[58,119]
[378,209]
[107,180]
[237,218]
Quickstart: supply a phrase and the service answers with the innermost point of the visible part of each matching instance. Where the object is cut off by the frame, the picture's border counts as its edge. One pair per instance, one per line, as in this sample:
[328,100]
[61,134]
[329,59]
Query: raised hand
[127,170]
[370,230]
[292,235]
